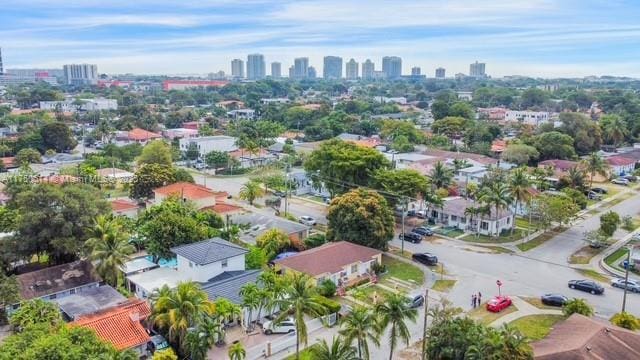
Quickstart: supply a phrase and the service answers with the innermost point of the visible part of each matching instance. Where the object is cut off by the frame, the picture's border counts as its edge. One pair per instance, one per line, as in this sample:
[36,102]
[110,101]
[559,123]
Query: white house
[452,214]
[527,117]
[242,114]
[619,165]
[207,144]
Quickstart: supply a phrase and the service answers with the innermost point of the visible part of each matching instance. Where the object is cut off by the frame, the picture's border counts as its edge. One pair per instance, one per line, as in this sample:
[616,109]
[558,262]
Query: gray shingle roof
[209,251]
[227,285]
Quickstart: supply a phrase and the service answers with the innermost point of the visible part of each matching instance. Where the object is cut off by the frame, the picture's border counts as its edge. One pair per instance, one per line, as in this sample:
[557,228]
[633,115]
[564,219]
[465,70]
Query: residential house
[560,167]
[138,135]
[342,262]
[121,325]
[230,104]
[259,223]
[534,118]
[452,214]
[581,337]
[207,144]
[179,133]
[125,207]
[620,165]
[200,195]
[89,301]
[249,159]
[115,174]
[471,174]
[57,282]
[242,114]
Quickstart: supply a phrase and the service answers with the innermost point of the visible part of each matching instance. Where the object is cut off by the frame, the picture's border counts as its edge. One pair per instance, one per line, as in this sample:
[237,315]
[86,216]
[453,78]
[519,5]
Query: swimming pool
[172,263]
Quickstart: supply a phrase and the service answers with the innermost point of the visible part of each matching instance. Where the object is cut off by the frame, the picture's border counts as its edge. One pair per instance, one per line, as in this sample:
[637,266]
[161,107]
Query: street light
[626,278]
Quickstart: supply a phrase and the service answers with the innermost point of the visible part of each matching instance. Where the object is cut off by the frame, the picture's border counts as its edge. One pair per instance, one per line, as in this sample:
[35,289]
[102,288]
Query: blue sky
[543,38]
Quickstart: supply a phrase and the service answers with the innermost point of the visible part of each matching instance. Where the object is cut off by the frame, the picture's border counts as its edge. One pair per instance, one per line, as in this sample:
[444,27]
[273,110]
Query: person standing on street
[479,298]
[473,300]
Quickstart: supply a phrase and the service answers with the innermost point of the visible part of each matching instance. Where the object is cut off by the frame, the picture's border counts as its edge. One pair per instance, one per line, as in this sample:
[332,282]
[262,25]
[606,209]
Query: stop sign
[498,282]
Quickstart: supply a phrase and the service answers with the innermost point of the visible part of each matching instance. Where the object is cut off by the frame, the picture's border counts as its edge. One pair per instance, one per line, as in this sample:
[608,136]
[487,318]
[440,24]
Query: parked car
[425,258]
[411,237]
[498,303]
[589,286]
[592,195]
[157,343]
[279,193]
[423,230]
[422,214]
[554,299]
[416,301]
[620,181]
[599,190]
[307,220]
[199,166]
[631,285]
[411,213]
[284,327]
[631,178]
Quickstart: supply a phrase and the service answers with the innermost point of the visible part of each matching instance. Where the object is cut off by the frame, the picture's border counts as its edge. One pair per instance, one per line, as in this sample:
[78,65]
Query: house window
[224,263]
[484,225]
[463,220]
[454,218]
[354,268]
[190,264]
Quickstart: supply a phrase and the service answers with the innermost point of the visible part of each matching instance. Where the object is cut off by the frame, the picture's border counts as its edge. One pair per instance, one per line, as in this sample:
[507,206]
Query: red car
[498,303]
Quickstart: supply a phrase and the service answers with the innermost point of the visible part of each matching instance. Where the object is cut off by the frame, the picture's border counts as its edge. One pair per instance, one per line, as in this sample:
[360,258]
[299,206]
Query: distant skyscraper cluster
[333,69]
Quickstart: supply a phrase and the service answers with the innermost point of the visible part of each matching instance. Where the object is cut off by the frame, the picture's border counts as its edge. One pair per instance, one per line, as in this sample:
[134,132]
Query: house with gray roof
[259,223]
[89,302]
[454,214]
[204,260]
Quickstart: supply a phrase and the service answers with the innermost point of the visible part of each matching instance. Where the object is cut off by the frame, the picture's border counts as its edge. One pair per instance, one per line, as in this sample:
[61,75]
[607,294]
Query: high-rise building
[1,68]
[392,67]
[415,71]
[477,70]
[256,67]
[440,73]
[80,74]
[276,70]
[292,72]
[368,68]
[311,72]
[332,67]
[301,68]
[351,70]
[237,68]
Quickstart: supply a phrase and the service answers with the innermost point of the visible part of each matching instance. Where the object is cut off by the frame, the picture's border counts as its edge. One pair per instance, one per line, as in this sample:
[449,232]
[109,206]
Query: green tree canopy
[57,136]
[397,184]
[156,152]
[554,145]
[520,154]
[362,217]
[149,177]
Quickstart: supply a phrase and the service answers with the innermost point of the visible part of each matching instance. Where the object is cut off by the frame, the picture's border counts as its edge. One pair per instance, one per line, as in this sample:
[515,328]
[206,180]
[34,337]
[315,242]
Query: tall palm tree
[519,188]
[497,195]
[250,300]
[109,248]
[360,325]
[181,308]
[441,176]
[338,350]
[237,352]
[394,313]
[575,177]
[595,164]
[614,129]
[299,298]
[250,191]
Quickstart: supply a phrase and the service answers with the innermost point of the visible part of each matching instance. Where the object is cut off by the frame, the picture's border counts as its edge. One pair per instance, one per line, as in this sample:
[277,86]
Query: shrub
[626,320]
[577,306]
[378,268]
[327,288]
[331,305]
[315,240]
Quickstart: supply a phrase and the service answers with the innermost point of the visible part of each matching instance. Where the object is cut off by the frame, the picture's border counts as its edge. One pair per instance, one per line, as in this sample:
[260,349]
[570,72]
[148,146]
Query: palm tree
[519,188]
[497,195]
[338,350]
[250,191]
[360,325]
[614,129]
[181,308]
[299,298]
[237,352]
[110,248]
[575,177]
[196,345]
[460,164]
[441,176]
[394,313]
[595,164]
[514,344]
[250,300]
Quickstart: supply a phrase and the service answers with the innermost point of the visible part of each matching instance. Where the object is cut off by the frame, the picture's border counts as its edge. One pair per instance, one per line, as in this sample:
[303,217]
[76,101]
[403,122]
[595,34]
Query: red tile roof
[138,134]
[560,165]
[328,258]
[123,205]
[620,161]
[185,190]
[244,153]
[222,208]
[120,325]
[498,145]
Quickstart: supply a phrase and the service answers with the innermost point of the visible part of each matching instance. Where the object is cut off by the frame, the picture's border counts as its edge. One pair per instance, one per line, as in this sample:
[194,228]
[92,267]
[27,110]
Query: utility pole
[404,204]
[424,325]
[626,278]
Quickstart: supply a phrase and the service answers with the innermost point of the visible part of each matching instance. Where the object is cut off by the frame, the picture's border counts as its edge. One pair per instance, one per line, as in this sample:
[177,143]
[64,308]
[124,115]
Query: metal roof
[209,251]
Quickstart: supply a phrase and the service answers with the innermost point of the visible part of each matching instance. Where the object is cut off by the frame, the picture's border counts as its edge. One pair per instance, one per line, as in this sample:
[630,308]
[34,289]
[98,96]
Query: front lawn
[536,327]
[370,294]
[617,256]
[503,238]
[594,275]
[483,316]
[443,285]
[537,241]
[403,270]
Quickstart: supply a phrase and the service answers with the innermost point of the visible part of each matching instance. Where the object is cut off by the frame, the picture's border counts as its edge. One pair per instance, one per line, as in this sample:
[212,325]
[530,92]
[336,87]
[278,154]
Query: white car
[286,326]
[307,220]
[631,285]
[620,181]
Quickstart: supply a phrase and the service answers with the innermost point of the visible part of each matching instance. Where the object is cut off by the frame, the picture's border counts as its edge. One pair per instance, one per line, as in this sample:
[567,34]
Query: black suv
[411,237]
[554,299]
[586,285]
[425,258]
[424,231]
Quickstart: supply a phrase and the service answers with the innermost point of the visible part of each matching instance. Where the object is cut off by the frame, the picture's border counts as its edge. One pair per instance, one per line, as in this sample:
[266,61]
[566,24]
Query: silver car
[631,285]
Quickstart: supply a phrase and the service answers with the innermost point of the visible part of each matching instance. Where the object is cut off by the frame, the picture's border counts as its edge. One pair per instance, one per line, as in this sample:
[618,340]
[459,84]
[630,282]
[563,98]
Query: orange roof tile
[185,190]
[120,325]
[222,208]
[138,134]
[122,205]
[245,153]
[498,145]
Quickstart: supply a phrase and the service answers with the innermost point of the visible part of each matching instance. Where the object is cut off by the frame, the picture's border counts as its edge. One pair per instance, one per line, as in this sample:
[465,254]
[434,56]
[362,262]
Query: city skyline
[546,38]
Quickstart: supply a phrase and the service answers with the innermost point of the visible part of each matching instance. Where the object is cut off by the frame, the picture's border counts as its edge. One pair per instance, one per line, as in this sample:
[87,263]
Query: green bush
[378,268]
[327,288]
[626,320]
[315,240]
[331,305]
[577,306]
